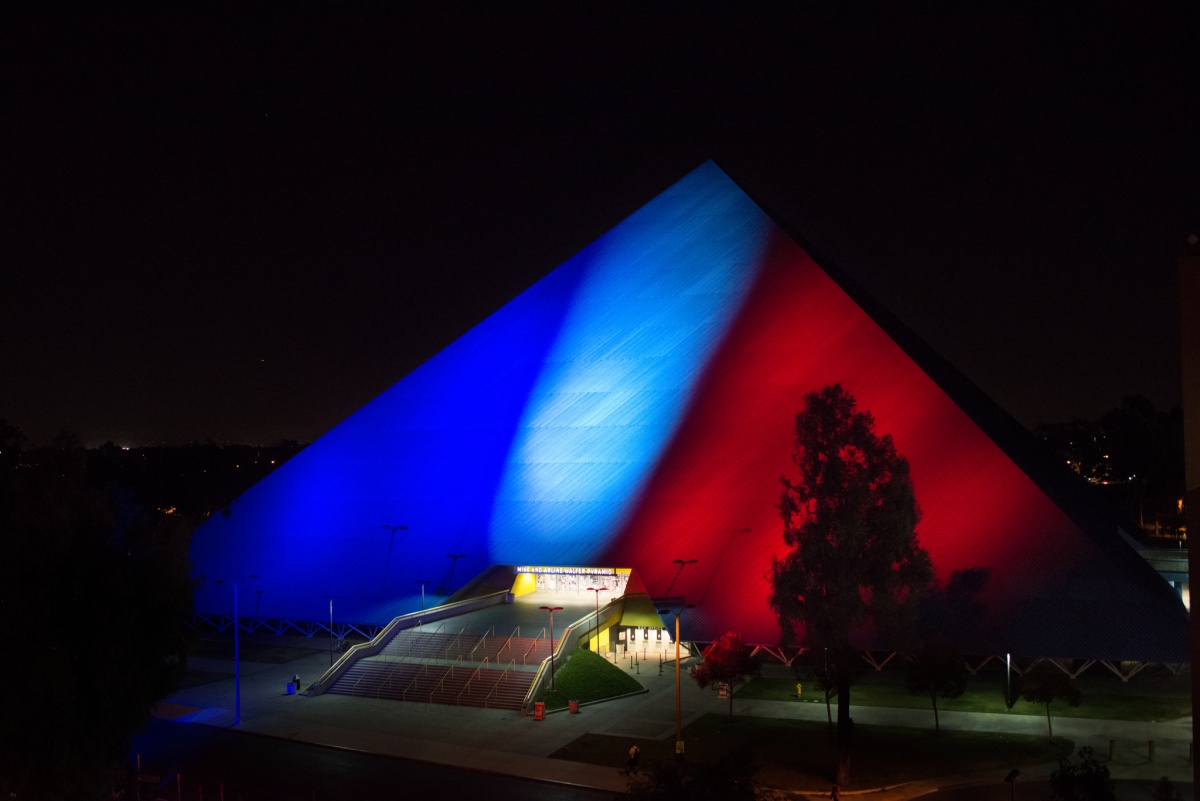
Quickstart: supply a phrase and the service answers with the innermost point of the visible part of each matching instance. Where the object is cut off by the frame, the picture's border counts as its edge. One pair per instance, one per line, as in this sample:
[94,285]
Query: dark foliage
[1133,455]
[1165,791]
[94,595]
[726,661]
[1084,780]
[1045,683]
[854,567]
[936,669]
[727,779]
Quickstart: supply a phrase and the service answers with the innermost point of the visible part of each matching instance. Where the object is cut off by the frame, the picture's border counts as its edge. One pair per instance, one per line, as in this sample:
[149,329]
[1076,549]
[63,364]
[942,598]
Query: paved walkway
[509,743]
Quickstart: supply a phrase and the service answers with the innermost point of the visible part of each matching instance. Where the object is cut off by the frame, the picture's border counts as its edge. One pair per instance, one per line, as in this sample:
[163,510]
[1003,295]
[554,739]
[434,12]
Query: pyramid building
[634,409]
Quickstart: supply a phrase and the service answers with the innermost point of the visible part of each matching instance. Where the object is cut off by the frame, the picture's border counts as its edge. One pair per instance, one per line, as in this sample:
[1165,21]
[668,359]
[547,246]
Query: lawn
[589,677]
[1151,695]
[792,754]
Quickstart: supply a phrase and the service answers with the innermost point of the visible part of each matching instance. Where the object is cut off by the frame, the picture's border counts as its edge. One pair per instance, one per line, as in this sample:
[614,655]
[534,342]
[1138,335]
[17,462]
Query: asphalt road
[226,765]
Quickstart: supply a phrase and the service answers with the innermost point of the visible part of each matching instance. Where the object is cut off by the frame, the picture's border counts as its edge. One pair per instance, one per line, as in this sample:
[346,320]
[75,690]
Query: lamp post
[453,557]
[331,599]
[682,564]
[237,655]
[597,590]
[678,715]
[422,583]
[551,610]
[391,543]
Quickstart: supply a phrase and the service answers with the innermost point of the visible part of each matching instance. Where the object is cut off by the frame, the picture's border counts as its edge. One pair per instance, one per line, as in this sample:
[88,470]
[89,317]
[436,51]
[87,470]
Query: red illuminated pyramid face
[634,408]
[714,493]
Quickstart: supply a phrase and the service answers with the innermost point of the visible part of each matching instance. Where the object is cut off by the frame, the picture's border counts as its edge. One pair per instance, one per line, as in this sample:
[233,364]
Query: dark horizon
[244,226]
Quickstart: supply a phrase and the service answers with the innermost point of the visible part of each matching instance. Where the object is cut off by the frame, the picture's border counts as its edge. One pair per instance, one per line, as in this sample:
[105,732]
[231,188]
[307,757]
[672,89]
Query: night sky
[245,224]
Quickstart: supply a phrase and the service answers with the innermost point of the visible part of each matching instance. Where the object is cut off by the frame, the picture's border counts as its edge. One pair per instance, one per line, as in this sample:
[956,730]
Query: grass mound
[589,677]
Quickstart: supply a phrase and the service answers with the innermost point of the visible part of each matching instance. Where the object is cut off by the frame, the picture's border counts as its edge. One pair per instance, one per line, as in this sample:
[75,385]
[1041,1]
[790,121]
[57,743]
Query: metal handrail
[496,685]
[570,634]
[401,623]
[404,693]
[508,642]
[467,685]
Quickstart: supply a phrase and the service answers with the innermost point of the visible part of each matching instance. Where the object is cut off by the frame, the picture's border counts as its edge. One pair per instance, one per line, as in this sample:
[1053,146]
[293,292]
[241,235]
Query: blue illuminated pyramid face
[528,440]
[635,408]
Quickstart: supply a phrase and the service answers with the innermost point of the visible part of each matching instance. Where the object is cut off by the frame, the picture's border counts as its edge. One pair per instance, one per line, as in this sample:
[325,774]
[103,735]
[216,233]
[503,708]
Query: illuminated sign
[567,571]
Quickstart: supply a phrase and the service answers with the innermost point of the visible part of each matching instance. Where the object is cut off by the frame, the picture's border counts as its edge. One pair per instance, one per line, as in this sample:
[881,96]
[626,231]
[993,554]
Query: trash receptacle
[291,688]
[573,706]
[539,710]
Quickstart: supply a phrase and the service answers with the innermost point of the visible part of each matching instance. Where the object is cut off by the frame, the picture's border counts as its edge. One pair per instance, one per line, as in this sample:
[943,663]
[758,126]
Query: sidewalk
[506,742]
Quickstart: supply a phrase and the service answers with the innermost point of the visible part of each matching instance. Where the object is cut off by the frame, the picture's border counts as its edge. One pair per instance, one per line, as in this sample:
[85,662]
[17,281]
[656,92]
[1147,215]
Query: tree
[1086,780]
[936,669]
[813,666]
[95,597]
[727,779]
[726,661]
[1044,684]
[948,616]
[855,568]
[1165,791]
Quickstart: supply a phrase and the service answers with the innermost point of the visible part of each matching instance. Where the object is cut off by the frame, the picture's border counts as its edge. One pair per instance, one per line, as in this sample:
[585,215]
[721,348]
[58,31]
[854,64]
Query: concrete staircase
[489,671]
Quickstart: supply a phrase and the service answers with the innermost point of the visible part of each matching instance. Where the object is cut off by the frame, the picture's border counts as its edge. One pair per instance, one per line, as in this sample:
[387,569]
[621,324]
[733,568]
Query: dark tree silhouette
[948,616]
[854,565]
[95,596]
[1165,791]
[726,661]
[727,779]
[813,666]
[936,669]
[1085,780]
[1044,684]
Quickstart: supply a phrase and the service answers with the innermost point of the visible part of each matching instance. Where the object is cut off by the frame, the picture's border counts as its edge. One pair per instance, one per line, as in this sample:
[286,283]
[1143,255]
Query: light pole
[453,557]
[331,599]
[237,655]
[551,610]
[678,715]
[391,543]
[597,590]
[422,583]
[682,564]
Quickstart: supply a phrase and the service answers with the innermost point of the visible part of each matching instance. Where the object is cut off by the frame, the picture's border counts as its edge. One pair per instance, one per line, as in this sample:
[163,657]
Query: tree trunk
[1049,725]
[828,710]
[845,731]
[937,728]
[731,699]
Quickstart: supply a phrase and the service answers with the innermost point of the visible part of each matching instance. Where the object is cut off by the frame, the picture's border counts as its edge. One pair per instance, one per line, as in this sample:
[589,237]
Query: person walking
[631,766]
[836,793]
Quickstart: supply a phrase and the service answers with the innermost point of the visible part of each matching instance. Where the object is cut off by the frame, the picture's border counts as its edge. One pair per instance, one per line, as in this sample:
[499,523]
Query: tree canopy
[1045,683]
[95,594]
[855,567]
[726,661]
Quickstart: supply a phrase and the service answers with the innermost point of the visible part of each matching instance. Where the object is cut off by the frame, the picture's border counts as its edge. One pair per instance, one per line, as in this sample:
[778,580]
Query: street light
[678,716]
[422,583]
[237,655]
[682,564]
[453,557]
[331,599]
[597,590]
[388,564]
[552,610]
